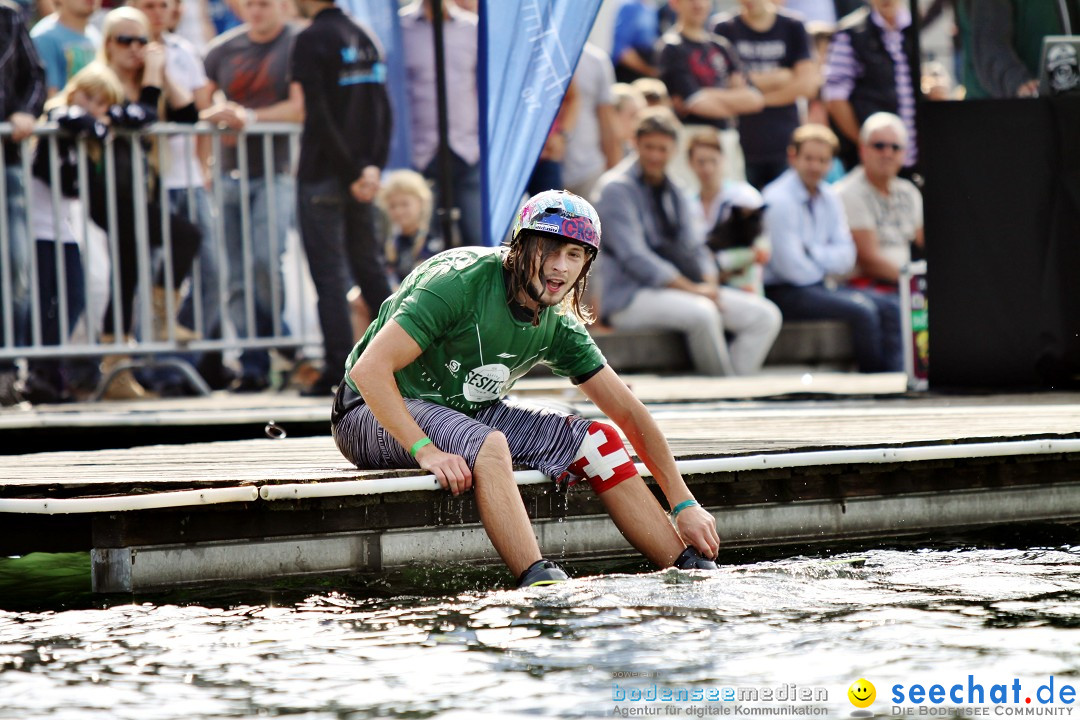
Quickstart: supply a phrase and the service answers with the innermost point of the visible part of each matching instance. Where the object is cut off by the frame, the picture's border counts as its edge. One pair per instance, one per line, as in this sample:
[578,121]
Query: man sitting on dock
[426,387]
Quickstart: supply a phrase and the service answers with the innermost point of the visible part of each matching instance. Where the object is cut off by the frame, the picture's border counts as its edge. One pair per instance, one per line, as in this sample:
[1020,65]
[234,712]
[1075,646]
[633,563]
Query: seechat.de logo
[862,695]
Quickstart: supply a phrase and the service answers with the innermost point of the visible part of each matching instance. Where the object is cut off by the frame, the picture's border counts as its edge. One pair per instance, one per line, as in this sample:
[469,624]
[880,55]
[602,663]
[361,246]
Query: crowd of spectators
[708,138]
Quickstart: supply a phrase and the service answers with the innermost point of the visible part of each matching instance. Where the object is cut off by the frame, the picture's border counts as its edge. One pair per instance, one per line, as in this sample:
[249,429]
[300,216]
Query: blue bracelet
[682,506]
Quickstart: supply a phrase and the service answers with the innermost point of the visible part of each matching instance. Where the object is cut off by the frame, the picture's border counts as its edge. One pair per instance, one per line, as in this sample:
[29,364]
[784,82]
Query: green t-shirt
[474,350]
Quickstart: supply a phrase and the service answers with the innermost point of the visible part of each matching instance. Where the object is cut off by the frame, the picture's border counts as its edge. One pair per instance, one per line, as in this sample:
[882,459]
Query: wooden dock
[828,458]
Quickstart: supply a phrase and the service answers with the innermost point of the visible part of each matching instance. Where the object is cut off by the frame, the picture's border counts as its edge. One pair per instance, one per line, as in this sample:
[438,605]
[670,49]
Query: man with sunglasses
[883,211]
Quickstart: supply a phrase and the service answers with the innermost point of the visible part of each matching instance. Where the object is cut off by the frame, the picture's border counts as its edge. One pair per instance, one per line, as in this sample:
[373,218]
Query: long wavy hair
[527,255]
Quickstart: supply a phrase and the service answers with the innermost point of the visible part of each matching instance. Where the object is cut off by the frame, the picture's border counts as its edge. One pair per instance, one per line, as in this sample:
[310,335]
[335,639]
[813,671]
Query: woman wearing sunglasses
[140,67]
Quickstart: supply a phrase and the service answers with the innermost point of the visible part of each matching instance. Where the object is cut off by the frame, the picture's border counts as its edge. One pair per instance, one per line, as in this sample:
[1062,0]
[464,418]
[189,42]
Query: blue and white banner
[528,52]
[381,16]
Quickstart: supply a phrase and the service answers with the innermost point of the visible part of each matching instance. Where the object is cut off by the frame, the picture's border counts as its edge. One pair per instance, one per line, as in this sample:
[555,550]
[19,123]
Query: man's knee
[602,459]
[495,448]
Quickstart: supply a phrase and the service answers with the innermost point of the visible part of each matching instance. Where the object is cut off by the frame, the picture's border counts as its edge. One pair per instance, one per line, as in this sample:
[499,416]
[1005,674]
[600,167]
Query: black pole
[444,181]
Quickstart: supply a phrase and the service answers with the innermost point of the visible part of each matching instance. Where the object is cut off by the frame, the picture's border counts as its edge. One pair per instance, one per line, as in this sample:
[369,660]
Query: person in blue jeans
[250,65]
[341,69]
[811,244]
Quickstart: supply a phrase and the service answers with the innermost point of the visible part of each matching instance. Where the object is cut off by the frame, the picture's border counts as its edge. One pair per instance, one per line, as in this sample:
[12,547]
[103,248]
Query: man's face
[706,162]
[262,15]
[557,272]
[655,151]
[405,209]
[158,12]
[78,8]
[752,6]
[306,8]
[889,9]
[692,12]
[883,154]
[812,162]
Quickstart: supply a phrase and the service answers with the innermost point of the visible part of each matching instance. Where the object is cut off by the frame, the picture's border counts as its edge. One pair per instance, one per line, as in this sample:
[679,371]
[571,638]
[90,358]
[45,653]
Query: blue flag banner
[528,52]
[381,17]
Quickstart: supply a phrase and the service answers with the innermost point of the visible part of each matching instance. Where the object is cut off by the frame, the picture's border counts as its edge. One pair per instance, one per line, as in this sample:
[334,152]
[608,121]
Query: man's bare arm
[389,351]
[613,398]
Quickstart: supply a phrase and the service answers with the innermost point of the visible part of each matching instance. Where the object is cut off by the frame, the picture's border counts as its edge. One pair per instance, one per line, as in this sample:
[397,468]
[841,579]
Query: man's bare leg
[642,521]
[501,508]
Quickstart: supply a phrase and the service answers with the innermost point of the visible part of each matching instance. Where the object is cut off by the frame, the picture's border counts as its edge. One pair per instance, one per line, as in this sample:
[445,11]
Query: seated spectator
[406,199]
[811,242]
[814,110]
[629,102]
[883,211]
[658,273]
[731,215]
[654,91]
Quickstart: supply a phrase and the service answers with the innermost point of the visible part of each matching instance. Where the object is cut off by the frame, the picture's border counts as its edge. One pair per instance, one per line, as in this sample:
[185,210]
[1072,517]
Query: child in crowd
[406,199]
[87,105]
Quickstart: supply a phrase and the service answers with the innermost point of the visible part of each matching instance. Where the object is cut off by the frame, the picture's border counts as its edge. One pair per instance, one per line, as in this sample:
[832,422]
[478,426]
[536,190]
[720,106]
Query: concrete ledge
[809,521]
[805,342]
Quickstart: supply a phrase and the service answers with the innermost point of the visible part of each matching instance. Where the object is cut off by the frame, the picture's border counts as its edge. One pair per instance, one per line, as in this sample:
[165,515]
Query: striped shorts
[540,438]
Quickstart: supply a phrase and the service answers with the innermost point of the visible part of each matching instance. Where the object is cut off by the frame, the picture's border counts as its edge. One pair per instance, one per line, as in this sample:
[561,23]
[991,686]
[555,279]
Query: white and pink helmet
[561,214]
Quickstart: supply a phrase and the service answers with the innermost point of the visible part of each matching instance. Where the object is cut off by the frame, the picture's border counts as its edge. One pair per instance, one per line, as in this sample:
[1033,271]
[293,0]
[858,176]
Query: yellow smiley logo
[861,693]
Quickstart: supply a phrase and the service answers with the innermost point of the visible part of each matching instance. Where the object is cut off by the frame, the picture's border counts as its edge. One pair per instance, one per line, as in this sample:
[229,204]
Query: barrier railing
[234,295]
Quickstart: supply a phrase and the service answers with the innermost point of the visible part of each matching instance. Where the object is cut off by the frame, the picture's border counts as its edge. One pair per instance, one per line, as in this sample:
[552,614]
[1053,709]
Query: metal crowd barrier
[146,348]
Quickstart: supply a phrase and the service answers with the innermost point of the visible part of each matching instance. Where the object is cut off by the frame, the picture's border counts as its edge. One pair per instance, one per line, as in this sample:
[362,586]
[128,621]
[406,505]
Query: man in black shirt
[702,70]
[774,50]
[339,66]
[22,94]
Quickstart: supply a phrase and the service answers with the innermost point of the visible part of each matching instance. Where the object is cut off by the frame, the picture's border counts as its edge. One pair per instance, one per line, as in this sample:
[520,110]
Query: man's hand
[709,290]
[697,527]
[22,126]
[1029,89]
[367,185]
[154,65]
[229,114]
[450,470]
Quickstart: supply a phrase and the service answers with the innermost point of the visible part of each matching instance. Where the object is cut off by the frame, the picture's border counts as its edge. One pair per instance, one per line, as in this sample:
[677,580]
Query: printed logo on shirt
[453,366]
[486,382]
[375,74]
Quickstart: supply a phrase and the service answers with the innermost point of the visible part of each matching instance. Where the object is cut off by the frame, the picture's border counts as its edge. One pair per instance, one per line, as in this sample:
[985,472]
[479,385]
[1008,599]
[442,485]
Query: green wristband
[682,506]
[419,444]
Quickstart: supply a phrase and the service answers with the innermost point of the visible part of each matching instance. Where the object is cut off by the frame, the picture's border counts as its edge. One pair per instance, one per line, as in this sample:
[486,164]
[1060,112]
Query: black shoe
[320,388]
[9,393]
[36,390]
[542,572]
[250,384]
[691,559]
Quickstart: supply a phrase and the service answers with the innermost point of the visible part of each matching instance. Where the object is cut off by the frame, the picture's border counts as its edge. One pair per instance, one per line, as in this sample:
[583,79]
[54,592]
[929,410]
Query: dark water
[440,642]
